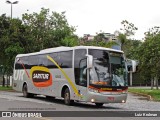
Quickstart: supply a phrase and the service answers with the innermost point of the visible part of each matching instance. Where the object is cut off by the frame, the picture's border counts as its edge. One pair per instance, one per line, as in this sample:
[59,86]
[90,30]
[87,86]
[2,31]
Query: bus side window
[32,61]
[18,64]
[55,57]
[65,60]
[24,61]
[80,65]
[43,61]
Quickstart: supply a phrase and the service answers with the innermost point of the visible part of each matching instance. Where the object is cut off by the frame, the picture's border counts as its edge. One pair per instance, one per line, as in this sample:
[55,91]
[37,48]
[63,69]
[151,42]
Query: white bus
[81,73]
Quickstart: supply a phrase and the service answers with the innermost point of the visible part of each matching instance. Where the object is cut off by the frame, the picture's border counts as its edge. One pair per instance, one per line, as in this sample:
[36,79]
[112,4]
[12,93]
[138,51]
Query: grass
[155,94]
[5,88]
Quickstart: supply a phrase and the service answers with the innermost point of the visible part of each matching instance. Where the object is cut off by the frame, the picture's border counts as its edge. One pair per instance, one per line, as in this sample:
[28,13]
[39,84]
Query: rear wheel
[25,92]
[67,99]
[99,104]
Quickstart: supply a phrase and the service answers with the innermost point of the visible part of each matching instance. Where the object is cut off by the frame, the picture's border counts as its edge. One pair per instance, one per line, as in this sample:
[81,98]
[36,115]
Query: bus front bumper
[106,98]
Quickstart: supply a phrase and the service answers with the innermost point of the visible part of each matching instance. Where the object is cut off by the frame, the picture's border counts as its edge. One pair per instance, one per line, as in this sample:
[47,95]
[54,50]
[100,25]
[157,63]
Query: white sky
[91,16]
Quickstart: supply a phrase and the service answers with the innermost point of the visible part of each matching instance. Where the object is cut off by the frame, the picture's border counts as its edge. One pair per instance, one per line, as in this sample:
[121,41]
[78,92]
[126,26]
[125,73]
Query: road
[14,101]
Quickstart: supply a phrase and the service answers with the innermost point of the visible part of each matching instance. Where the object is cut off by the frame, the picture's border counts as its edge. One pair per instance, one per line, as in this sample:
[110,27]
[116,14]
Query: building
[103,36]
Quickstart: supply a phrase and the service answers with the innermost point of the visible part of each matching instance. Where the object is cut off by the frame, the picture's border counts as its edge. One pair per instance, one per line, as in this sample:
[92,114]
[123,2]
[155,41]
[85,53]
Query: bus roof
[63,48]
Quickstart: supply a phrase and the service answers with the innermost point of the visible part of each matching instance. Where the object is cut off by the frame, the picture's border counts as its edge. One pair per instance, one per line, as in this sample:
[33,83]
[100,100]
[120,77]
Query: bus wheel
[67,99]
[99,104]
[25,92]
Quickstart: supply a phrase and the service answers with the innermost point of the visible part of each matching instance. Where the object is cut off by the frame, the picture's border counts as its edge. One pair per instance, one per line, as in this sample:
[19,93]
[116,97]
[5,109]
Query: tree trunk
[152,83]
[7,80]
[156,79]
[3,83]
[130,73]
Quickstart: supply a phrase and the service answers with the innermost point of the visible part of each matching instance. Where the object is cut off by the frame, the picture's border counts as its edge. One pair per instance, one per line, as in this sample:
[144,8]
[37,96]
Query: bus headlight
[125,91]
[93,90]
[92,100]
[123,101]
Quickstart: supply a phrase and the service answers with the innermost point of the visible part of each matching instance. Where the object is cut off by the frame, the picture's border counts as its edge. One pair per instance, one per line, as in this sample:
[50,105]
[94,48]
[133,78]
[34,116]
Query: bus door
[83,79]
[80,70]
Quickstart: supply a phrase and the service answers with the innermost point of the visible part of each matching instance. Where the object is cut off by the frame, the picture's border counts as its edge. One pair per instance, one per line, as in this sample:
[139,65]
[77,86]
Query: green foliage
[101,41]
[123,41]
[150,56]
[70,41]
[5,88]
[34,32]
[47,30]
[133,49]
[128,28]
[127,31]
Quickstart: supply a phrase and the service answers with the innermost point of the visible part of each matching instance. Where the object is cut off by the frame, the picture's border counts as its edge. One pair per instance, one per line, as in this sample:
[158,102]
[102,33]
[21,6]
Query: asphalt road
[14,101]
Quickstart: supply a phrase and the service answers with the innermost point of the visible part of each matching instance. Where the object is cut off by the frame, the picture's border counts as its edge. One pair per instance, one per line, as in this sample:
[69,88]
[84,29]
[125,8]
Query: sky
[92,16]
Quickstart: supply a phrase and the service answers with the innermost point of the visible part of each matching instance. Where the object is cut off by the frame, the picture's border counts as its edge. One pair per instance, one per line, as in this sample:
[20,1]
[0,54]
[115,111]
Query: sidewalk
[142,87]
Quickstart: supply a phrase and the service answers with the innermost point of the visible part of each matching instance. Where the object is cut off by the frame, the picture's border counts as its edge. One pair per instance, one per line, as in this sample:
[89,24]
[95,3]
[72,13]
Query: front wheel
[67,99]
[25,92]
[99,104]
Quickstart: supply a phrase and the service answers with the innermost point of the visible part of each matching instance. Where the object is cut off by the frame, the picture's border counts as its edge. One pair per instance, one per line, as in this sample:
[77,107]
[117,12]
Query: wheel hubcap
[66,97]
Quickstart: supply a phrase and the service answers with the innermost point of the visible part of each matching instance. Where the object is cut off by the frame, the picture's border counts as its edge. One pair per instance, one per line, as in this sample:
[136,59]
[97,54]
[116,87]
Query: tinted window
[18,64]
[42,60]
[21,62]
[100,72]
[99,54]
[80,67]
[55,57]
[25,62]
[33,61]
[63,59]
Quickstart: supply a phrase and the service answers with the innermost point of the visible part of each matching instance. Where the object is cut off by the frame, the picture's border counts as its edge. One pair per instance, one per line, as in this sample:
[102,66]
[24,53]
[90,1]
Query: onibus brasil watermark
[21,114]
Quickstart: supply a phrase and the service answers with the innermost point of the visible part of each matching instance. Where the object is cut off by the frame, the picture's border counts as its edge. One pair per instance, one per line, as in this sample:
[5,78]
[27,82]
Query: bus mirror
[90,61]
[132,66]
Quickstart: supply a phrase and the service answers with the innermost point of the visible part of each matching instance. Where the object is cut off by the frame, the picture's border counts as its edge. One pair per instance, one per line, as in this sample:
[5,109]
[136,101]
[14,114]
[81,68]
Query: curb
[8,90]
[148,96]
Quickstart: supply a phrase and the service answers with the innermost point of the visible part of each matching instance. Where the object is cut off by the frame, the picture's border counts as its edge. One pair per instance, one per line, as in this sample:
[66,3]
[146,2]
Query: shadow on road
[75,104]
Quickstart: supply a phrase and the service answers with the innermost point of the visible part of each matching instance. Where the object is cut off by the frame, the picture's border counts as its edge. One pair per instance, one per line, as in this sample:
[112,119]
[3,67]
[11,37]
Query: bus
[82,73]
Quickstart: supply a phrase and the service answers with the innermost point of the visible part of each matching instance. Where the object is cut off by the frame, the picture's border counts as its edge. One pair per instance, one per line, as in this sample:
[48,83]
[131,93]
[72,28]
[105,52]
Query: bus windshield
[109,68]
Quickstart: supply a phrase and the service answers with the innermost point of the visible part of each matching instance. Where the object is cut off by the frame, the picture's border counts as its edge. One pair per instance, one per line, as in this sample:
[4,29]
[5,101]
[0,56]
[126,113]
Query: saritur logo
[41,76]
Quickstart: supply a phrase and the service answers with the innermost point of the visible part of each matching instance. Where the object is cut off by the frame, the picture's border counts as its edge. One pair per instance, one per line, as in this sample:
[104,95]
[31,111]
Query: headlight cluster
[93,90]
[125,91]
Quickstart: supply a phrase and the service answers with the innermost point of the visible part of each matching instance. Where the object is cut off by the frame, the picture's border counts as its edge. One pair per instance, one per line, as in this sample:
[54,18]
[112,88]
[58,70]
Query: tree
[127,31]
[70,41]
[128,28]
[34,32]
[11,43]
[133,48]
[45,30]
[4,32]
[149,53]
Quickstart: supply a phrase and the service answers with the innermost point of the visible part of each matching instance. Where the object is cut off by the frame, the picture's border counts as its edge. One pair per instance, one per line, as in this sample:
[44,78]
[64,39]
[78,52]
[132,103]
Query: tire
[25,92]
[67,99]
[99,104]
